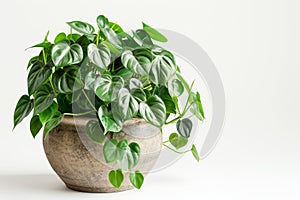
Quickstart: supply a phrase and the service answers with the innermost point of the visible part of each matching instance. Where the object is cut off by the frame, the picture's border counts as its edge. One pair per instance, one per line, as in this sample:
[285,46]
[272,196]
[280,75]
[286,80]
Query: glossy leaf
[129,154]
[108,122]
[163,93]
[47,114]
[162,69]
[139,95]
[135,84]
[126,74]
[95,132]
[115,27]
[99,56]
[60,37]
[195,153]
[23,108]
[107,87]
[154,34]
[127,105]
[38,74]
[44,44]
[153,111]
[43,98]
[110,151]
[53,122]
[90,81]
[184,127]
[116,178]
[73,36]
[65,80]
[197,108]
[82,27]
[136,179]
[177,141]
[131,63]
[102,21]
[176,88]
[64,54]
[35,125]
[143,37]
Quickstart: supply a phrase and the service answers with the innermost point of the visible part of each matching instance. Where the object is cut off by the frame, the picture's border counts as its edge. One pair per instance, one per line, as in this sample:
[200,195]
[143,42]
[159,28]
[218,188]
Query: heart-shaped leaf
[116,178]
[102,21]
[60,37]
[38,74]
[175,87]
[153,111]
[127,105]
[143,37]
[135,84]
[43,98]
[64,54]
[111,151]
[99,56]
[115,27]
[82,27]
[131,63]
[47,114]
[95,131]
[53,122]
[163,93]
[154,34]
[136,179]
[23,108]
[65,80]
[108,122]
[35,125]
[107,87]
[184,127]
[129,154]
[177,141]
[162,69]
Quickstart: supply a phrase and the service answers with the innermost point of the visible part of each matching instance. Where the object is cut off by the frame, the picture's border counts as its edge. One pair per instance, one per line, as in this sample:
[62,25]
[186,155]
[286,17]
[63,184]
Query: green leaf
[73,36]
[35,125]
[64,104]
[136,179]
[110,151]
[99,56]
[44,44]
[90,81]
[175,88]
[38,74]
[102,21]
[53,122]
[184,127]
[162,69]
[129,155]
[115,27]
[23,108]
[82,27]
[197,108]
[154,34]
[95,132]
[116,178]
[163,93]
[135,84]
[131,63]
[143,37]
[65,80]
[33,60]
[153,111]
[177,141]
[108,122]
[107,87]
[195,153]
[126,74]
[64,54]
[139,95]
[47,114]
[127,105]
[43,98]
[183,81]
[60,37]
[111,47]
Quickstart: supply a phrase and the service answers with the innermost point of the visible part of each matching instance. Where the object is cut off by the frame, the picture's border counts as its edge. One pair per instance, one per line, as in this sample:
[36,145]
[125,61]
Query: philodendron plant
[114,76]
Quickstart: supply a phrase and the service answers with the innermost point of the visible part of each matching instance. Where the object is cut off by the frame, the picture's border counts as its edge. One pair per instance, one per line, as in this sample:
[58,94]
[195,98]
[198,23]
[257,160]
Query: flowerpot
[79,161]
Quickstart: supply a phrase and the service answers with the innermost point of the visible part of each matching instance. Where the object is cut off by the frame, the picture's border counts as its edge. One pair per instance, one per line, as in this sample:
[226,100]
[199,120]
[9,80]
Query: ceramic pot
[79,161]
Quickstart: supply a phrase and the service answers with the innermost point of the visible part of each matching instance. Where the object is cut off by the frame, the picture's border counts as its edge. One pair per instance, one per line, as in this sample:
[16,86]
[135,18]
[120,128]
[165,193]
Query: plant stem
[97,38]
[44,56]
[89,101]
[179,152]
[78,114]
[51,83]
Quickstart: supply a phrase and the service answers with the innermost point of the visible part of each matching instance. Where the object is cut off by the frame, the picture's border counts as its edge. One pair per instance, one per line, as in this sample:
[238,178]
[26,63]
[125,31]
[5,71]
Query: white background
[255,45]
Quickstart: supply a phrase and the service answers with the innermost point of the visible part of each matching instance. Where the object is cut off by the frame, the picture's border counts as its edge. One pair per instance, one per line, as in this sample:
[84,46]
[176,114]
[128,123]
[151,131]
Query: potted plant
[103,97]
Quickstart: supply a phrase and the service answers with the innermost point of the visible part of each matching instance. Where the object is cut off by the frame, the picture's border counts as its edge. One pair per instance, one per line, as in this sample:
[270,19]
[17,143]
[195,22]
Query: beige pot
[79,161]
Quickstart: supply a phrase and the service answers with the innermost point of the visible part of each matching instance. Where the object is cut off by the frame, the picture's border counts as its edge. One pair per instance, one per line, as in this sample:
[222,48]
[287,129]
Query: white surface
[255,45]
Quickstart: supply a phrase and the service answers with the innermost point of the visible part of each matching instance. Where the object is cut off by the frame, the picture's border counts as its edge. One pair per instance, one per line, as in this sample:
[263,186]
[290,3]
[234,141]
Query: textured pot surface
[79,161]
